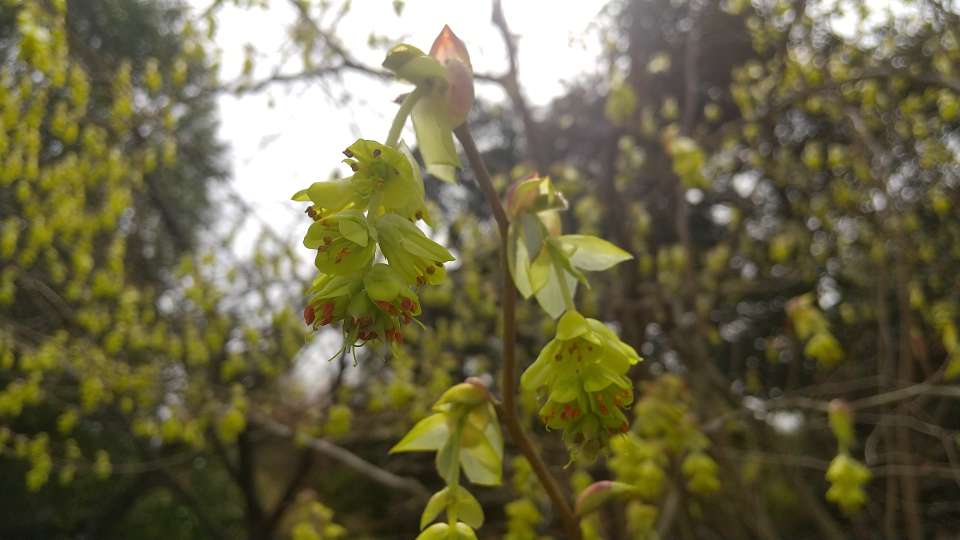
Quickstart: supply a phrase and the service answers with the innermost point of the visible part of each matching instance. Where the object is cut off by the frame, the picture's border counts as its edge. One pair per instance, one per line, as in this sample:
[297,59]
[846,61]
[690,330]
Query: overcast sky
[284,138]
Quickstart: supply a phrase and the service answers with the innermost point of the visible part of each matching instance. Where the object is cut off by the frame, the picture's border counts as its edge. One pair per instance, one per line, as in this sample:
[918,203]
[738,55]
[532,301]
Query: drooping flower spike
[582,375]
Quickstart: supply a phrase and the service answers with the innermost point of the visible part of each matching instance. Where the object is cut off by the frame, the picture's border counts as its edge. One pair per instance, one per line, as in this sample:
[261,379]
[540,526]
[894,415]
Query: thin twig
[349,459]
[508,383]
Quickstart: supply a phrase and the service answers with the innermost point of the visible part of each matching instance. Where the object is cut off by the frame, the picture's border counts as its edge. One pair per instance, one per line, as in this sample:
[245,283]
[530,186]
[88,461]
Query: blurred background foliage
[788,191]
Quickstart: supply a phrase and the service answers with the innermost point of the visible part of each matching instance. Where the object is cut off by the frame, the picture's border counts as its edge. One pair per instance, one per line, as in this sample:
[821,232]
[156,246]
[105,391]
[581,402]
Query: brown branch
[349,459]
[508,383]
[511,86]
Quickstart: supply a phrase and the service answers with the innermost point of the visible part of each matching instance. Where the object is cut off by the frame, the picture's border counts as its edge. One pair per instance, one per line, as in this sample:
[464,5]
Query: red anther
[438,264]
[430,270]
[348,153]
[384,305]
[406,304]
[418,215]
[309,315]
[376,153]
[556,357]
[343,253]
[327,240]
[603,410]
[312,212]
[354,167]
[421,280]
[407,318]
[624,428]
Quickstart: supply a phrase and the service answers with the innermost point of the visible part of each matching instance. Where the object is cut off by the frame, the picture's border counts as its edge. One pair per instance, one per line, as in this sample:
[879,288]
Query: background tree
[785,178]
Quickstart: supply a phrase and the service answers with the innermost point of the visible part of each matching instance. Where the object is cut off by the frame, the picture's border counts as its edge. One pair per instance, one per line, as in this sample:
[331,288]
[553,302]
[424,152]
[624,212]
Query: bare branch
[349,459]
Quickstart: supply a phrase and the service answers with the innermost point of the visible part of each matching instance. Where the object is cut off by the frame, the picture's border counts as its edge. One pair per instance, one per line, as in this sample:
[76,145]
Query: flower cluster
[582,371]
[847,478]
[375,207]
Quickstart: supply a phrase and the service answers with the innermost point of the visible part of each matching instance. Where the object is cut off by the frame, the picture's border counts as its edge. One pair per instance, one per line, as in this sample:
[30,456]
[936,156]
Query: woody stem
[508,383]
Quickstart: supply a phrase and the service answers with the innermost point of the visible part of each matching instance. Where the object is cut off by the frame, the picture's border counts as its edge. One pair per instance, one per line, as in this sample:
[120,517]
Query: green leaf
[437,503]
[518,260]
[301,196]
[550,297]
[560,255]
[540,270]
[467,508]
[431,433]
[435,137]
[464,532]
[593,254]
[437,531]
[482,463]
[412,64]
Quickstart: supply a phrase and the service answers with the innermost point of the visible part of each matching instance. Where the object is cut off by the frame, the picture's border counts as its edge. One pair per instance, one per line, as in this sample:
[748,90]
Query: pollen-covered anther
[327,314]
[309,315]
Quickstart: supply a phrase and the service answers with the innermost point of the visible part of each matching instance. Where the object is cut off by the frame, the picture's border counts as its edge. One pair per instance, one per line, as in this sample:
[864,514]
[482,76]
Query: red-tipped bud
[451,52]
[600,492]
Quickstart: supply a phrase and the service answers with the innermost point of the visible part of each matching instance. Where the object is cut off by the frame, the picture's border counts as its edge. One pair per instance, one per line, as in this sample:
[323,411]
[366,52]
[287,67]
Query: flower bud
[841,423]
[534,194]
[471,392]
[597,493]
[451,52]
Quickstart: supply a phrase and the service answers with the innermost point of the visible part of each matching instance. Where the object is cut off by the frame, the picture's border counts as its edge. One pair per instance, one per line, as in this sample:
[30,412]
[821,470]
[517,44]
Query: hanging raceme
[586,390]
[377,206]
